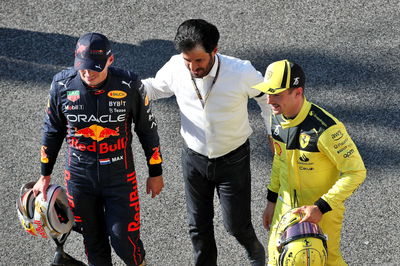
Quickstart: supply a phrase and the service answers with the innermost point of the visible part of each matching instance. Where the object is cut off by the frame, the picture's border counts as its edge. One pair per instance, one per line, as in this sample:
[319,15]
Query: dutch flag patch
[104,161]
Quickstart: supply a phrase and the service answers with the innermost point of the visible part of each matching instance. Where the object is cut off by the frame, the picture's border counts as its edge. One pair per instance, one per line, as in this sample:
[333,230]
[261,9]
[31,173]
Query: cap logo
[81,48]
[296,81]
[77,64]
[271,90]
[268,74]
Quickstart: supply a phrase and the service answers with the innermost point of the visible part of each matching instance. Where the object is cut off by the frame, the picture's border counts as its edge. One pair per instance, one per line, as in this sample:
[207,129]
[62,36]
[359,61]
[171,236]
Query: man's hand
[268,214]
[311,213]
[41,186]
[154,185]
[271,144]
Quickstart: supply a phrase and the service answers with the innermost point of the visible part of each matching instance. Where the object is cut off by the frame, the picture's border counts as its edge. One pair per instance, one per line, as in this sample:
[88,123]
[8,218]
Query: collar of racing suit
[100,86]
[299,117]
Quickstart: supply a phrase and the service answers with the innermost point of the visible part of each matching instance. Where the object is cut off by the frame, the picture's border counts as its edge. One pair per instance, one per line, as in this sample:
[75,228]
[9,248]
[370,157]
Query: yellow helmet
[300,243]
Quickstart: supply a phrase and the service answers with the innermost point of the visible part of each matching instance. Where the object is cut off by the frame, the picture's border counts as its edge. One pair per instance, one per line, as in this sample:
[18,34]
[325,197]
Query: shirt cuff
[272,196]
[323,206]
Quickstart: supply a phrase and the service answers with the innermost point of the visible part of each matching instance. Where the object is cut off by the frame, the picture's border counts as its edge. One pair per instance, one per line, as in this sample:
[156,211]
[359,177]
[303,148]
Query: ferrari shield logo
[304,140]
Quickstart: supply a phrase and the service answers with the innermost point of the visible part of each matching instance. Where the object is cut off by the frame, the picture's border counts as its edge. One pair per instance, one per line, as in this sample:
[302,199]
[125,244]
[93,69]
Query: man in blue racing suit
[93,106]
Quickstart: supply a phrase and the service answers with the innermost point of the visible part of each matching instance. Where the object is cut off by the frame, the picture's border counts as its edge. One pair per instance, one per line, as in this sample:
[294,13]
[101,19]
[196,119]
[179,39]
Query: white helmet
[51,218]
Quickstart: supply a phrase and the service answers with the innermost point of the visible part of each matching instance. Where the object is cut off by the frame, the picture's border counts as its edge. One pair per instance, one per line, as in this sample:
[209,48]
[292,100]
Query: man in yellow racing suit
[316,164]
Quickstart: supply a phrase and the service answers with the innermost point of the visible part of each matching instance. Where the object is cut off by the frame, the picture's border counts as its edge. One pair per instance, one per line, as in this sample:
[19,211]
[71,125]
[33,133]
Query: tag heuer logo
[73,96]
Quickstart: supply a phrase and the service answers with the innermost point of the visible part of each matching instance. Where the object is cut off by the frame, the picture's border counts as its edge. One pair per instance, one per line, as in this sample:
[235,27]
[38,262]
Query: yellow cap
[280,76]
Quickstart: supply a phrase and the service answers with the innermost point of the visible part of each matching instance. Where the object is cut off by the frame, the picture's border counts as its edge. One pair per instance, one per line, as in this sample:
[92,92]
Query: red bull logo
[39,228]
[101,148]
[134,203]
[97,52]
[43,155]
[29,228]
[98,92]
[67,177]
[80,49]
[156,157]
[96,132]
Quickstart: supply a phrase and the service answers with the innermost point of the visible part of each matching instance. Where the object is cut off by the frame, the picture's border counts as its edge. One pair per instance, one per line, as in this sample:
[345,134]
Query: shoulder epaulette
[324,119]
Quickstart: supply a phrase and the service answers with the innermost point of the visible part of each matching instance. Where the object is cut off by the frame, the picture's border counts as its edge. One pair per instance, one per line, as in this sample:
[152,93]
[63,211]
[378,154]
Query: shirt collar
[213,71]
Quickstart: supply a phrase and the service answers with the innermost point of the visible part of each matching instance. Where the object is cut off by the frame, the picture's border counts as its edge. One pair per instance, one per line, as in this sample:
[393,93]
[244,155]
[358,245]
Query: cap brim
[95,65]
[266,88]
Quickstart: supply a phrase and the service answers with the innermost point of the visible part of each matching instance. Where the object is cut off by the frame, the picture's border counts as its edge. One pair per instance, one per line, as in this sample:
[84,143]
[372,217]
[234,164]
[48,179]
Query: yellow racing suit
[315,163]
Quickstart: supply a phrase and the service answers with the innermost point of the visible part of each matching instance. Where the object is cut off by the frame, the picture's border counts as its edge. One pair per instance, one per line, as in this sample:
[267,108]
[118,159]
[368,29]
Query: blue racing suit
[99,173]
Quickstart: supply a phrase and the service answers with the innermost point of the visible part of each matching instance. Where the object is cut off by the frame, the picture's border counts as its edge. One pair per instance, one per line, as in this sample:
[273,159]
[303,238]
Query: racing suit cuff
[323,206]
[46,169]
[155,170]
[272,196]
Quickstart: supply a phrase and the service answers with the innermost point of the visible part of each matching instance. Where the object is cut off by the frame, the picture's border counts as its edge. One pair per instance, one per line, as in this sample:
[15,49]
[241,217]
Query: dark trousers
[230,176]
[106,211]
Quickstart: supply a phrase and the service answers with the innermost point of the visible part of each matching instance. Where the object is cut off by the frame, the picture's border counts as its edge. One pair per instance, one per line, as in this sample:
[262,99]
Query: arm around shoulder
[161,85]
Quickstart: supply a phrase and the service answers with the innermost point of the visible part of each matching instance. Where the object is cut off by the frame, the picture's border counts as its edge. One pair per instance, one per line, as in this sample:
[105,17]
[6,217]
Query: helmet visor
[301,230]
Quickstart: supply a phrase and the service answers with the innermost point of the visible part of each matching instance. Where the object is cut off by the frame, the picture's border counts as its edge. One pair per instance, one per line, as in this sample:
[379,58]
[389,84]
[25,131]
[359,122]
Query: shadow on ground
[28,56]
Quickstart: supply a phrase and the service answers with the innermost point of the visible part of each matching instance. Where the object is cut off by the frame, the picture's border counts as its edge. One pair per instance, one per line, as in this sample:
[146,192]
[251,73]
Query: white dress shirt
[222,125]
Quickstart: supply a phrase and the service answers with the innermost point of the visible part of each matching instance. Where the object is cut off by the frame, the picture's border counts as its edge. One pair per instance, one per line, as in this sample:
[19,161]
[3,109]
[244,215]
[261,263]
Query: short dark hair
[195,32]
[293,88]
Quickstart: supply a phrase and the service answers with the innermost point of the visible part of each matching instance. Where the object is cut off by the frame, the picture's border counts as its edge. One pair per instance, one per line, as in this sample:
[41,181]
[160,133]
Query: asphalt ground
[349,51]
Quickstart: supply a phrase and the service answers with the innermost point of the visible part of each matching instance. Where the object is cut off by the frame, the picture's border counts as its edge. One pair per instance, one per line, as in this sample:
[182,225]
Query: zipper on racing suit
[97,142]
[295,201]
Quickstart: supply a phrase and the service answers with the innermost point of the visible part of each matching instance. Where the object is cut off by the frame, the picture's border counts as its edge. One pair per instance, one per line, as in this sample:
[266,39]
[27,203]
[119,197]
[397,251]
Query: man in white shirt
[212,91]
